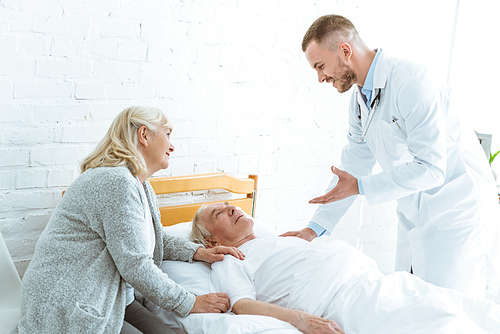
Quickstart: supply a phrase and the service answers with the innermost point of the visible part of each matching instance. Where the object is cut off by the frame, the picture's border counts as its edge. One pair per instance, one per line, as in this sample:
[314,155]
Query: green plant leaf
[493,156]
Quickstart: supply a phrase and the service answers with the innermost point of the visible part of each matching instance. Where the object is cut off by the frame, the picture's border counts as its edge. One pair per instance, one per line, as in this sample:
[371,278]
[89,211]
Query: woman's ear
[143,135]
[211,243]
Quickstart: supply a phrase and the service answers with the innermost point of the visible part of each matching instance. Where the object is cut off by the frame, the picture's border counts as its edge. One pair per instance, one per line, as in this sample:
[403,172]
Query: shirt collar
[368,85]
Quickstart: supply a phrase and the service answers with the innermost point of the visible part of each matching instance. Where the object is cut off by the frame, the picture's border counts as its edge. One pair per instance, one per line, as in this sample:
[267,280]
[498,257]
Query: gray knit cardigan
[94,243]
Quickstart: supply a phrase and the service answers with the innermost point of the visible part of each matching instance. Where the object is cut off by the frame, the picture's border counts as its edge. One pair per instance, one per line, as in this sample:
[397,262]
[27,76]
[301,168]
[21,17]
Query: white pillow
[181,230]
[194,277]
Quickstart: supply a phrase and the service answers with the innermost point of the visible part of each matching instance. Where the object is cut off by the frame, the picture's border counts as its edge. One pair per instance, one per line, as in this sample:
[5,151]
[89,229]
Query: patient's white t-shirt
[266,273]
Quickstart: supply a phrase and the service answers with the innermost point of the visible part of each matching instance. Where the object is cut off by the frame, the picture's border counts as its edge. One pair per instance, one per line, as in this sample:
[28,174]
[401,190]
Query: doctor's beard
[346,79]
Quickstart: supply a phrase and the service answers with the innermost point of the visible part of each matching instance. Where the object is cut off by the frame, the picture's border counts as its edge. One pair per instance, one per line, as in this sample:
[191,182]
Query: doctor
[438,174]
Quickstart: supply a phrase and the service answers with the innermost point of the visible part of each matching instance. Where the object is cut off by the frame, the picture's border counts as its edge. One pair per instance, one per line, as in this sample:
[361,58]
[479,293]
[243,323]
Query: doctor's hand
[211,303]
[346,186]
[305,233]
[211,255]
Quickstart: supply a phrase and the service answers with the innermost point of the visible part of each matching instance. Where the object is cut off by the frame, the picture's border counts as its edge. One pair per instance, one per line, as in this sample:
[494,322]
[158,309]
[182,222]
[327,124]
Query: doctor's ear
[345,50]
[210,243]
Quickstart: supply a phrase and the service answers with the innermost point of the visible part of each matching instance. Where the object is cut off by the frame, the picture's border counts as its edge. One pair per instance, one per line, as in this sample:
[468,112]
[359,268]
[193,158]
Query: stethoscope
[373,106]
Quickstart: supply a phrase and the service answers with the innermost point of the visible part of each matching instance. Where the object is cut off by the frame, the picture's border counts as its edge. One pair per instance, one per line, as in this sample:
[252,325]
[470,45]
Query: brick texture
[230,74]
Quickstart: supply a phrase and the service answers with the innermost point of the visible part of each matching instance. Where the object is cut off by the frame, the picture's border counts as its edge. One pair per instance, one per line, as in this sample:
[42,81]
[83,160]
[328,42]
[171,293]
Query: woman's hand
[211,303]
[312,324]
[210,255]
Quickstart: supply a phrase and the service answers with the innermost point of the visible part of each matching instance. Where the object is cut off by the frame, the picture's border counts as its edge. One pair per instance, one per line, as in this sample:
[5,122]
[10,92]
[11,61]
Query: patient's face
[227,223]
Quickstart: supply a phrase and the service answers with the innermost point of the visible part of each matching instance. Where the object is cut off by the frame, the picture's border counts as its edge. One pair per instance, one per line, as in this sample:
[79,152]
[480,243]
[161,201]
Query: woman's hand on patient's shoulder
[211,303]
[312,324]
[211,255]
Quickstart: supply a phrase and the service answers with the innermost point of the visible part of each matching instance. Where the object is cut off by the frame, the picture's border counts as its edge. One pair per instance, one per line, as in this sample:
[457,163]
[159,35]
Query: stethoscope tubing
[373,107]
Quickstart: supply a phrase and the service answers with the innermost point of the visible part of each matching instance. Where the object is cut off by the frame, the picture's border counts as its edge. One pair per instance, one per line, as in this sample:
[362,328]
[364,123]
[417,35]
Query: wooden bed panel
[177,184]
[171,215]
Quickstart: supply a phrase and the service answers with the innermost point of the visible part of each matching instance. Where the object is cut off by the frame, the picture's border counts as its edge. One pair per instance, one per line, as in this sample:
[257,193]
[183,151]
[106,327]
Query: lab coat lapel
[381,71]
[379,81]
[362,106]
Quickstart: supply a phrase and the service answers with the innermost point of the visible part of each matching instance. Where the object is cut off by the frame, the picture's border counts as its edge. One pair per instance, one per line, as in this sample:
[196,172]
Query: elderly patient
[330,287]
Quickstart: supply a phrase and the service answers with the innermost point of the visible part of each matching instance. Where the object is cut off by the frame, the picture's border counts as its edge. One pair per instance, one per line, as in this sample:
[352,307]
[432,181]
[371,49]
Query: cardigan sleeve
[178,249]
[120,209]
[173,248]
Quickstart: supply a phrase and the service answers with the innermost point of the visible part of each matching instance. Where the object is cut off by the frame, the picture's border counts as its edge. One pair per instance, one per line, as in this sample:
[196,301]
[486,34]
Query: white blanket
[366,302]
[371,302]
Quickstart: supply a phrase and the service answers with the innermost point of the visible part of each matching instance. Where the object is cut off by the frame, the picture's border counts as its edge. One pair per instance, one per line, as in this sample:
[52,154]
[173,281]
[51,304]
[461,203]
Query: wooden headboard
[171,215]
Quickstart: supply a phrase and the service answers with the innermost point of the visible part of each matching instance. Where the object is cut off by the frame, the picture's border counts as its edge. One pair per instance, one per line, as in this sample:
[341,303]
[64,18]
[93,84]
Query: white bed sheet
[361,305]
[226,323]
[373,303]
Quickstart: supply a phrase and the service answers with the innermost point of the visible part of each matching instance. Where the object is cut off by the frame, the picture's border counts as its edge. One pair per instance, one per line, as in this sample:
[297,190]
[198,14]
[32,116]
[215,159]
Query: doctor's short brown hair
[330,29]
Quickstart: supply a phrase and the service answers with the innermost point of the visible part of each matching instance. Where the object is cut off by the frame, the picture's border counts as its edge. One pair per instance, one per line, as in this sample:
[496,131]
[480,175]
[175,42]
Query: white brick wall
[232,77]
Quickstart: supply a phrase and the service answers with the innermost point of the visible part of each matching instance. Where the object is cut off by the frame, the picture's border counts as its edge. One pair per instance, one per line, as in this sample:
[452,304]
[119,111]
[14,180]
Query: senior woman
[104,242]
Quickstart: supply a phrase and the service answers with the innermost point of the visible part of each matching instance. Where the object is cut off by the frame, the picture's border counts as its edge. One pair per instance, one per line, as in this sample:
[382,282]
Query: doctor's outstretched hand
[346,186]
[305,233]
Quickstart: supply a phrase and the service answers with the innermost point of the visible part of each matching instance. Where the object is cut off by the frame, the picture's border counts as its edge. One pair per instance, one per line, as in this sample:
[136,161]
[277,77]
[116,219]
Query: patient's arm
[305,322]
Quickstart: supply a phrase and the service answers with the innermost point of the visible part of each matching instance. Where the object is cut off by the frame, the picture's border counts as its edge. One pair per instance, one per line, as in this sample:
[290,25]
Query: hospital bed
[198,190]
[410,317]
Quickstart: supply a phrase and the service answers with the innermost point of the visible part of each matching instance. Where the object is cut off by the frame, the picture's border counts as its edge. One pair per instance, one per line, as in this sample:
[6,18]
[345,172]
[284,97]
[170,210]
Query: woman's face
[156,148]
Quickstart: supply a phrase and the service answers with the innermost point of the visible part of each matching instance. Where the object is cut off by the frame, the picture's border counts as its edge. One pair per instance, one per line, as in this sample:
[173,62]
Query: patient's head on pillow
[222,224]
[198,231]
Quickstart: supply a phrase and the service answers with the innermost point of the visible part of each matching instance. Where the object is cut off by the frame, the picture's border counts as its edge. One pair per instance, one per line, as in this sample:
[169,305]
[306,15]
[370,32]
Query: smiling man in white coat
[438,173]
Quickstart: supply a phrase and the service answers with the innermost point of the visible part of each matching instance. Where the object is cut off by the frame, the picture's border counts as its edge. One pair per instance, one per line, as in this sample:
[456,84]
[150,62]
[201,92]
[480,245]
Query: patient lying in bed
[329,288]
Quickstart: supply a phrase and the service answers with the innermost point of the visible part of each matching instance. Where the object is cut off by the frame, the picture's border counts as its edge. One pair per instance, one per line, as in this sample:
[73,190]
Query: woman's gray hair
[120,147]
[198,231]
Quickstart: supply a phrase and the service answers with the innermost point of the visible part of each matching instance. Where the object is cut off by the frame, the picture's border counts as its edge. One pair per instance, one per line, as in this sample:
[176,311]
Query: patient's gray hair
[198,231]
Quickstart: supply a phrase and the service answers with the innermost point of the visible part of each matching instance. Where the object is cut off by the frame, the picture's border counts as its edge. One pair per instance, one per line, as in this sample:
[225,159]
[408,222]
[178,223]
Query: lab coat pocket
[388,142]
[86,319]
[453,206]
[397,134]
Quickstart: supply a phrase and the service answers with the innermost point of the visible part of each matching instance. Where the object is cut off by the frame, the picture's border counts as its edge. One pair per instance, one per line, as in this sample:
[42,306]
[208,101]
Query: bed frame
[171,215]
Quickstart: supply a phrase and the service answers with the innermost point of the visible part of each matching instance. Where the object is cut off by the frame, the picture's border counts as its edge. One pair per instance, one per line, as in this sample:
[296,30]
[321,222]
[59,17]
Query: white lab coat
[438,174]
